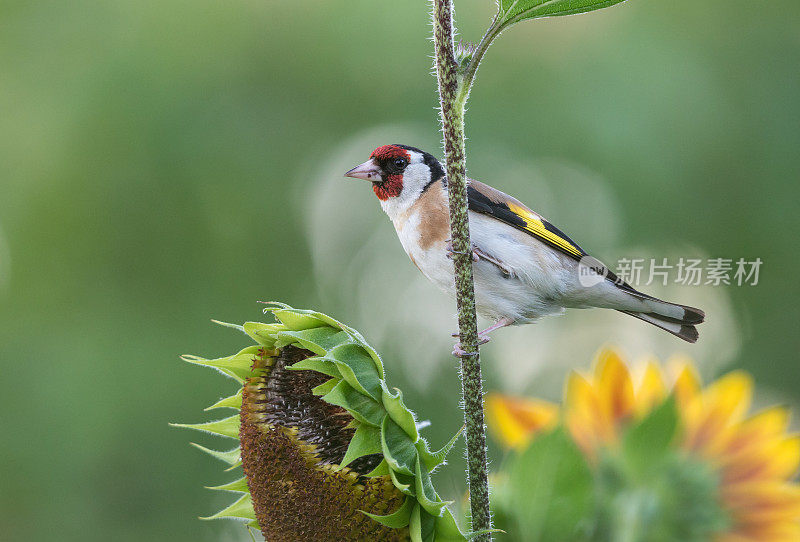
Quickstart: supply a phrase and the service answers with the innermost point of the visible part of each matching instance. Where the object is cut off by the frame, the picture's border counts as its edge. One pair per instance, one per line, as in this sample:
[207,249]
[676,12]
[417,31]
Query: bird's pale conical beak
[369,171]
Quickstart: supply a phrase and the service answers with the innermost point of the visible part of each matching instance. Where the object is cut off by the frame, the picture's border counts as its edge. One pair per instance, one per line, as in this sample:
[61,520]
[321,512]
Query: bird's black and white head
[399,175]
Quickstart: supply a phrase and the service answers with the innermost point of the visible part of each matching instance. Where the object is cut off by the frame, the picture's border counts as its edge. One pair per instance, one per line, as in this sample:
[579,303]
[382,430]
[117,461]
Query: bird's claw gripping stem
[461,353]
[458,351]
[451,252]
[483,336]
[478,255]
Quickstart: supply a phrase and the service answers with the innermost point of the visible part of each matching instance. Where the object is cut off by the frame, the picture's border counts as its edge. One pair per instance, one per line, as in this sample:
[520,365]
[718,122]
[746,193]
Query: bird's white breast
[431,258]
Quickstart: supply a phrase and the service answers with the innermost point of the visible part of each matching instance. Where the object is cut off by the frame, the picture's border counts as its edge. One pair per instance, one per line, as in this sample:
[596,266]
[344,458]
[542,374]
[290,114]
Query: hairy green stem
[452,117]
[472,67]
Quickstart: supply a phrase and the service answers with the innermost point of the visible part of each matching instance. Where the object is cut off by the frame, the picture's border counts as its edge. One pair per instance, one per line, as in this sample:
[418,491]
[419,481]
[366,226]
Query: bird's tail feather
[680,320]
[680,314]
[687,332]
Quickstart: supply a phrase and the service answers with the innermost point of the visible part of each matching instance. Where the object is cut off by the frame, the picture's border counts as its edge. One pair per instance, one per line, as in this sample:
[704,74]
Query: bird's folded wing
[490,201]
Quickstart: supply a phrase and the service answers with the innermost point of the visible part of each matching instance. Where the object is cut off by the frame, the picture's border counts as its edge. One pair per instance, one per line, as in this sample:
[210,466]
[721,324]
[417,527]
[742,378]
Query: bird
[524,268]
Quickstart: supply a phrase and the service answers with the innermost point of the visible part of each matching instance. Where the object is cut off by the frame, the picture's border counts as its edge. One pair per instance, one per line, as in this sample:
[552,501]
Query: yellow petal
[784,460]
[587,422]
[766,425]
[651,391]
[580,396]
[603,356]
[515,420]
[615,388]
[725,402]
[776,459]
[730,395]
[687,381]
[763,502]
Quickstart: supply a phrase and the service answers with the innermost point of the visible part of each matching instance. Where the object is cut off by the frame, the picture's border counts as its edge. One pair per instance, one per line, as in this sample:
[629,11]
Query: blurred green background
[160,165]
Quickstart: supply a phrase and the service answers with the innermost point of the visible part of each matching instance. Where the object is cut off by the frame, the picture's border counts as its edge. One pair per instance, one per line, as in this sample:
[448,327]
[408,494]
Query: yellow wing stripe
[535,225]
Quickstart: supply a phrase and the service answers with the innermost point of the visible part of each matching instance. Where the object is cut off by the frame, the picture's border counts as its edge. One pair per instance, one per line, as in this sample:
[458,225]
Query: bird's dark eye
[399,163]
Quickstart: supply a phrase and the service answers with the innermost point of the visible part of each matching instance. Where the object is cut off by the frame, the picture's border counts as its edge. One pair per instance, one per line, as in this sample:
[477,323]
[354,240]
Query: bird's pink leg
[502,322]
[483,336]
[478,255]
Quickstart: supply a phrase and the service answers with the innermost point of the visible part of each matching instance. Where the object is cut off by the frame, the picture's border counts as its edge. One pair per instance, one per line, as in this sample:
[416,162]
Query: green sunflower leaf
[237,365]
[511,11]
[398,411]
[421,525]
[233,401]
[431,460]
[381,470]
[226,324]
[239,486]
[398,449]
[325,387]
[403,482]
[233,466]
[263,334]
[447,529]
[319,339]
[397,519]
[320,365]
[360,406]
[197,360]
[228,427]
[357,368]
[271,306]
[366,441]
[231,457]
[296,320]
[426,495]
[354,334]
[242,508]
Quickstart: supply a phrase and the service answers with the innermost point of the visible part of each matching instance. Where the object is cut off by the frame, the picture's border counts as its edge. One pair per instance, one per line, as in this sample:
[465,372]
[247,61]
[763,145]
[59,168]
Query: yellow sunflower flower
[753,458]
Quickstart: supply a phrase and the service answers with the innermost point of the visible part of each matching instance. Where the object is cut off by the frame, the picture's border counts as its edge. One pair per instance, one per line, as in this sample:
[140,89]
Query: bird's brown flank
[434,225]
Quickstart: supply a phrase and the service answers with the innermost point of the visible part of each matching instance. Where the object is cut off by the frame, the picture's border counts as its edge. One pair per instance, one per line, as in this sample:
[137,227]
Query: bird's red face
[384,169]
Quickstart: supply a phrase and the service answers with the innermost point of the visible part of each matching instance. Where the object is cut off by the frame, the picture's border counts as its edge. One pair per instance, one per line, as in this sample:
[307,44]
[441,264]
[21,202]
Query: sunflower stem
[465,83]
[453,100]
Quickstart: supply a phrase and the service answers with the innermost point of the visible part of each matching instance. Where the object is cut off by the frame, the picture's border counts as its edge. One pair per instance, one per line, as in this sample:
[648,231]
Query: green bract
[363,447]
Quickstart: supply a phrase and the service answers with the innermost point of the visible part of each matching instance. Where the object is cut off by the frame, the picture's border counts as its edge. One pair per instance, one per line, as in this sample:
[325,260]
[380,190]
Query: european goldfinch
[524,267]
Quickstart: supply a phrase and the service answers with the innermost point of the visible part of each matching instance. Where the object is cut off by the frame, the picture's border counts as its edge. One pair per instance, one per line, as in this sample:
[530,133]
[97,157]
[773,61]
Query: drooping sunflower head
[293,446]
[665,459]
[328,452]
